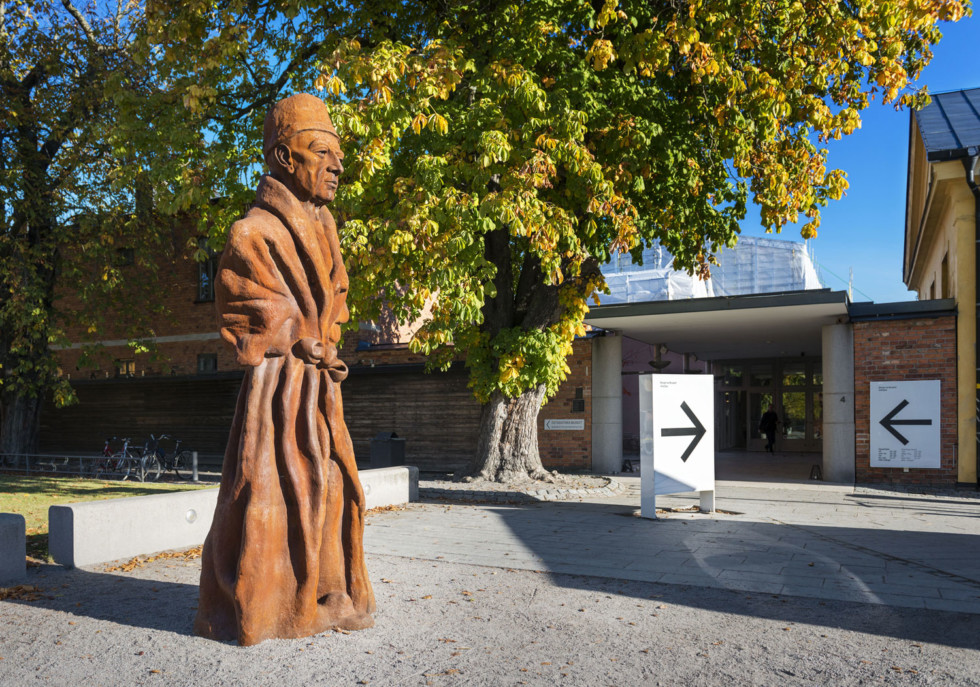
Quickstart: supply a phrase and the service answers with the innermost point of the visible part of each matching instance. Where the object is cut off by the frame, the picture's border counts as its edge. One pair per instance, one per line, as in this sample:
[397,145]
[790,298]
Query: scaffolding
[756,265]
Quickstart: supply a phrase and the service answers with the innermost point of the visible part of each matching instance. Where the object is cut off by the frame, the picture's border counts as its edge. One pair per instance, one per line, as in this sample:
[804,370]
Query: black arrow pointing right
[697,431]
[889,422]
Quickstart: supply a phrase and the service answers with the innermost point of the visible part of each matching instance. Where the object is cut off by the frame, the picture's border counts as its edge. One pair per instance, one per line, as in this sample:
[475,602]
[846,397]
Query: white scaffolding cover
[755,265]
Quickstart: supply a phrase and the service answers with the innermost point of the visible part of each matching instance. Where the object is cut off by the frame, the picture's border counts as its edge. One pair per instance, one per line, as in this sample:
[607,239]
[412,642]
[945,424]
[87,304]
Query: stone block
[13,549]
[390,486]
[99,531]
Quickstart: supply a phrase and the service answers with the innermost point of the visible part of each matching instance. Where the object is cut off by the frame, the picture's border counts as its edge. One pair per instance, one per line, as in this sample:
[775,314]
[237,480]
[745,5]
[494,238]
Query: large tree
[67,206]
[500,152]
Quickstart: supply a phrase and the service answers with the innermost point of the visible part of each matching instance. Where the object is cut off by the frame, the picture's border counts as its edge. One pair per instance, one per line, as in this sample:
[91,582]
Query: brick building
[919,346]
[187,385]
[817,358]
[794,350]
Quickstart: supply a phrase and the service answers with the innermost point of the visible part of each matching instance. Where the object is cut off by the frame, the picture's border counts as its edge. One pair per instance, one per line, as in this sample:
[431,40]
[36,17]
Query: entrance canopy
[772,325]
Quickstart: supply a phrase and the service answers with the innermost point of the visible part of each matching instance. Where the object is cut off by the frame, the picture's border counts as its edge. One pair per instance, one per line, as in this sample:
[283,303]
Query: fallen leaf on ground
[383,509]
[21,592]
[139,562]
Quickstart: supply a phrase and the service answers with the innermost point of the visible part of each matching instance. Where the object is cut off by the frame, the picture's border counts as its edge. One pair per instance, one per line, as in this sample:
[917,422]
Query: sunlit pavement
[819,541]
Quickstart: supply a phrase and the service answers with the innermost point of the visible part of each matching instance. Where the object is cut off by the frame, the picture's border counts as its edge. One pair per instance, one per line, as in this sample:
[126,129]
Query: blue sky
[864,231]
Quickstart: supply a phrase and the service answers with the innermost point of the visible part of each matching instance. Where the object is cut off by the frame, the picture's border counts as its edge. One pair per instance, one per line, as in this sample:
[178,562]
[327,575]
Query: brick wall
[175,287]
[902,350]
[570,450]
[563,450]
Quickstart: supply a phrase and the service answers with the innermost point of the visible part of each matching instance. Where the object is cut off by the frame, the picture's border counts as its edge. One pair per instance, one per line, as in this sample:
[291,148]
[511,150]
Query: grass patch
[30,496]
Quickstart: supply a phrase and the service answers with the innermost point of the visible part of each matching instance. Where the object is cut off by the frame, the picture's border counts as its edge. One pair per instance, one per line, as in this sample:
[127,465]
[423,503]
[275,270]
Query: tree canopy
[500,152]
[66,208]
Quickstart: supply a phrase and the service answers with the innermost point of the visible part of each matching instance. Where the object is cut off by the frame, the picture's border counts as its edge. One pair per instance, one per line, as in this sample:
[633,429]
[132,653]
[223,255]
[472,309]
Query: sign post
[905,424]
[677,442]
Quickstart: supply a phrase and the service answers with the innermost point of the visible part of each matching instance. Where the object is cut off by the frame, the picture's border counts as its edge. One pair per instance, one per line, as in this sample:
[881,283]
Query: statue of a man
[285,554]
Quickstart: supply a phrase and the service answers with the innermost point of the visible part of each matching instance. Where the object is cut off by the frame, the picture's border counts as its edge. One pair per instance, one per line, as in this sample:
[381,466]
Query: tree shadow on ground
[852,578]
[139,602]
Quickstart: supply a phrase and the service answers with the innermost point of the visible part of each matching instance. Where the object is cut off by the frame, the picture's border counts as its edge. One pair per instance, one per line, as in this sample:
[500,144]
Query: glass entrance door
[730,425]
[792,386]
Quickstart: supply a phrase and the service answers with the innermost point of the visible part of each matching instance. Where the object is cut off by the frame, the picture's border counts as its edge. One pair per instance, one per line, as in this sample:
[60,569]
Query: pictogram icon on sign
[697,431]
[889,422]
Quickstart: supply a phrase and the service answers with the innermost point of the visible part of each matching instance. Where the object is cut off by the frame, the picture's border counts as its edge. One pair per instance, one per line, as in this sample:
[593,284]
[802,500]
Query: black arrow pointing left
[697,431]
[889,422]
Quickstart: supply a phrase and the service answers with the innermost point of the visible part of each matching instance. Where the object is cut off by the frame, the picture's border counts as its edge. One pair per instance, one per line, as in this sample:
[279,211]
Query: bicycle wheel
[129,465]
[182,461]
[150,468]
[101,468]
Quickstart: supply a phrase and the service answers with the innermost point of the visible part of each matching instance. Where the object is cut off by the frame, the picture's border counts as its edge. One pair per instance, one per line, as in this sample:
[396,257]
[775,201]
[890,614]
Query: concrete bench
[390,486]
[13,549]
[99,531]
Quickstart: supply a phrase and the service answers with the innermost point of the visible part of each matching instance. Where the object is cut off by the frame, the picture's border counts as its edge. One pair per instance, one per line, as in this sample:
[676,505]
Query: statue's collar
[273,194]
[304,222]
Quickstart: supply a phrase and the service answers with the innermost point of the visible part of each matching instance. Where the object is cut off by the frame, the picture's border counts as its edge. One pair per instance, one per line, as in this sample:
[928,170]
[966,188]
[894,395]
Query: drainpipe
[971,180]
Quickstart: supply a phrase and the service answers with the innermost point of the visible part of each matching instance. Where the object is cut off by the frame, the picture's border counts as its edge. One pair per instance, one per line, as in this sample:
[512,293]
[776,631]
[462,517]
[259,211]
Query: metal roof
[950,124]
[903,310]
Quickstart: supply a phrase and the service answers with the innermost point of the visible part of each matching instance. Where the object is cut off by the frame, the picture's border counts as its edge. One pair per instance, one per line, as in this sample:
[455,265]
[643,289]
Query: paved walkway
[820,541]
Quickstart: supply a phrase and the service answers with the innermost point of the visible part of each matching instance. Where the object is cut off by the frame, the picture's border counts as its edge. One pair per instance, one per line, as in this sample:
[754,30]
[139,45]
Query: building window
[578,403]
[125,368]
[731,375]
[205,272]
[207,362]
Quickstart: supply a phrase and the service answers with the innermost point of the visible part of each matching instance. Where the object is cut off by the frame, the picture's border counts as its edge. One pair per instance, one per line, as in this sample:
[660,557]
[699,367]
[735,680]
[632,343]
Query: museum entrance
[746,388]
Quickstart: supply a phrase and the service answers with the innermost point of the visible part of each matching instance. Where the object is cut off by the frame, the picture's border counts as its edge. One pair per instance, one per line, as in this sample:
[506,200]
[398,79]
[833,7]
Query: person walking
[767,425]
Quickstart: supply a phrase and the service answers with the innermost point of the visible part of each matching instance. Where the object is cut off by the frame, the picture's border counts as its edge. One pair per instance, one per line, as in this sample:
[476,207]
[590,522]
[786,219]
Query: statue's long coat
[285,555]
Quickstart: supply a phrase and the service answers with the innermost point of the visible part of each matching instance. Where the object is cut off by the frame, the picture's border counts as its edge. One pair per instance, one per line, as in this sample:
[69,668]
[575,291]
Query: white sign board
[677,438]
[905,424]
[564,424]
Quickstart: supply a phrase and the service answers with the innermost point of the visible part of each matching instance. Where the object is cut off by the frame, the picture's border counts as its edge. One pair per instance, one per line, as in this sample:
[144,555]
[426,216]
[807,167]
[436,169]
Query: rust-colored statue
[285,554]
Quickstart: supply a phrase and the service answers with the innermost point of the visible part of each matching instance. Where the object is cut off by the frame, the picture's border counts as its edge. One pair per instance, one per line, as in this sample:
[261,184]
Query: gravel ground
[441,623]
[441,486]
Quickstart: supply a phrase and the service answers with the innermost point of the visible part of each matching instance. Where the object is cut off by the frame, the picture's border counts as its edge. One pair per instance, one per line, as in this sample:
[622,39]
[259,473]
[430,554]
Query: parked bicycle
[150,466]
[119,463]
[157,460]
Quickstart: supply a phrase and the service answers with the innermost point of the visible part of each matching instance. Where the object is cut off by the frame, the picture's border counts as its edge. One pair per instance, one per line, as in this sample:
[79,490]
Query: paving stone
[888,551]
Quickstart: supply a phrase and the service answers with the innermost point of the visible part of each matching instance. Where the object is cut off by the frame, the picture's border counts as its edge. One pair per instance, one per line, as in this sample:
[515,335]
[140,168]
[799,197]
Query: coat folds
[284,557]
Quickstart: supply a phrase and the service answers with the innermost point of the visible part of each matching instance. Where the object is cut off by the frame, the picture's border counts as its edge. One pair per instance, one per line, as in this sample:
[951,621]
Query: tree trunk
[20,418]
[507,450]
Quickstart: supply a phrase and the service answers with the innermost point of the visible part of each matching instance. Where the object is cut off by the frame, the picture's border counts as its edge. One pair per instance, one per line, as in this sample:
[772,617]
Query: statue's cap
[288,117]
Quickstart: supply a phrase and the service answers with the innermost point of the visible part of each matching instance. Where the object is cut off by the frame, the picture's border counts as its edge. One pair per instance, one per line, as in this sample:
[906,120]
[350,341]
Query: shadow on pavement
[859,579]
[899,583]
[124,599]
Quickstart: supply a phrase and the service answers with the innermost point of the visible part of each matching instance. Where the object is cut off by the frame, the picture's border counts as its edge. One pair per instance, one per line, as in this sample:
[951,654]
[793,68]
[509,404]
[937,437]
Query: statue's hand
[311,350]
[315,352]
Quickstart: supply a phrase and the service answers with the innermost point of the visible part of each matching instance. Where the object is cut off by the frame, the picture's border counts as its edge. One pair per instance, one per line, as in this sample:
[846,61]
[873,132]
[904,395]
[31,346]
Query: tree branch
[83,24]
[498,311]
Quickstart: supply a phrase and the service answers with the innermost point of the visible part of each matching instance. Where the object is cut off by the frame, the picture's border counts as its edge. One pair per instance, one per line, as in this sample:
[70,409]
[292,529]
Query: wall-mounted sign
[677,443]
[905,424]
[564,424]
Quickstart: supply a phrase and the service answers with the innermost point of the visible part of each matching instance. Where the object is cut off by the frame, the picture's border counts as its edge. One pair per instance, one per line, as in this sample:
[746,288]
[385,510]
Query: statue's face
[315,164]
